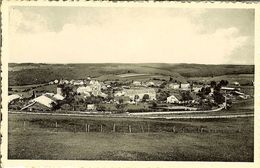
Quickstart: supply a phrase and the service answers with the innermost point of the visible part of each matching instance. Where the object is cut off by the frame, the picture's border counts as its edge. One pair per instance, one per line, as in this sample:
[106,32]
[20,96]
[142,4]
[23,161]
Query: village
[128,96]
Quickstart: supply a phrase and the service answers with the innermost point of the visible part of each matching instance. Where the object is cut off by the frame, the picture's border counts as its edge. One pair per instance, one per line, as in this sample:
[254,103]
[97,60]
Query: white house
[182,86]
[58,97]
[83,89]
[236,83]
[78,82]
[174,86]
[185,86]
[44,100]
[13,97]
[56,81]
[137,83]
[91,107]
[119,93]
[140,92]
[172,99]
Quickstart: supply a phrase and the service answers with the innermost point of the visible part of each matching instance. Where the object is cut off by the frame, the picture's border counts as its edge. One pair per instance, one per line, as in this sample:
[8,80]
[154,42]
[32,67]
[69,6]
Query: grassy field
[222,139]
[24,74]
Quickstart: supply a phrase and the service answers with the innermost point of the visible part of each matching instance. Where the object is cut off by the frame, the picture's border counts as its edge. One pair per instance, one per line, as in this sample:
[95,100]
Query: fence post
[86,127]
[23,125]
[114,127]
[56,124]
[142,128]
[130,129]
[101,128]
[173,129]
[148,128]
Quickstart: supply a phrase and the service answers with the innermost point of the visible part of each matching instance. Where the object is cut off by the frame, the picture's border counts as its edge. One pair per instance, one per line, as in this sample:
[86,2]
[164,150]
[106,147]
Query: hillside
[28,73]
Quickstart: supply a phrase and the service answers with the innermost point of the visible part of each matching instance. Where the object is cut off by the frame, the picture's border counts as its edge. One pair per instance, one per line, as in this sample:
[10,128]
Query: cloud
[127,38]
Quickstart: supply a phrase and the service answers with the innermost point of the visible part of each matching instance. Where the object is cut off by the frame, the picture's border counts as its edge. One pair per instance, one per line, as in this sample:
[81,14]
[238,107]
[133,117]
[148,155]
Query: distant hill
[29,73]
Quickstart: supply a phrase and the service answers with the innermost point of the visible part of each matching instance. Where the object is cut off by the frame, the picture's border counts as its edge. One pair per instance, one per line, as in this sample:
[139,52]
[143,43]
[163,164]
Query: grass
[24,74]
[41,140]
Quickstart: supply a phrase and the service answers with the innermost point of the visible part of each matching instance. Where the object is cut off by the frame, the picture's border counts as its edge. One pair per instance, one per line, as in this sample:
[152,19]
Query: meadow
[24,74]
[63,137]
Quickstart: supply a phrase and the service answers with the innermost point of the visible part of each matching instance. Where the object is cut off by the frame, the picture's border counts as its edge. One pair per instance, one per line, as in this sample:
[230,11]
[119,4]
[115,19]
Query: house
[94,88]
[184,86]
[91,107]
[140,92]
[119,93]
[13,97]
[58,97]
[241,95]
[64,82]
[181,86]
[196,89]
[41,103]
[229,88]
[56,81]
[84,89]
[137,83]
[236,83]
[174,86]
[45,100]
[172,99]
[78,82]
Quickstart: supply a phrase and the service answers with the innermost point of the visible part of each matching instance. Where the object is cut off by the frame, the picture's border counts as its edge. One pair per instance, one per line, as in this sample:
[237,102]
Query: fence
[56,126]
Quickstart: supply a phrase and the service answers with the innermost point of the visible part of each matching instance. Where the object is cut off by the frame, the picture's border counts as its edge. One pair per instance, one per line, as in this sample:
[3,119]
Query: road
[195,116]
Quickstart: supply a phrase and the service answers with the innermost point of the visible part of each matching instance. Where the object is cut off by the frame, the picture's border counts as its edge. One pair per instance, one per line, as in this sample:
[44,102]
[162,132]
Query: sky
[131,35]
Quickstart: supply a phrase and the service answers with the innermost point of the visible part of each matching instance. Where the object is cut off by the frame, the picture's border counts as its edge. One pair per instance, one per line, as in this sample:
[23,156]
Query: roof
[44,100]
[125,98]
[58,97]
[84,89]
[227,88]
[173,96]
[139,91]
[13,97]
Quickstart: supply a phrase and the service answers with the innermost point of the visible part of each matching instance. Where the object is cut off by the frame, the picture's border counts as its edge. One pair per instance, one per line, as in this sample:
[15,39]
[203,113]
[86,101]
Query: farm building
[58,97]
[229,88]
[236,83]
[174,85]
[140,92]
[41,103]
[94,89]
[91,107]
[137,83]
[120,93]
[181,86]
[13,97]
[172,99]
[84,90]
[78,82]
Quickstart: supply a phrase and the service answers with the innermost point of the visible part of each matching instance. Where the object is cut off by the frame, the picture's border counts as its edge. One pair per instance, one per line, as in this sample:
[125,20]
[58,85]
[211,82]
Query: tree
[162,95]
[146,97]
[154,105]
[121,101]
[213,84]
[218,97]
[186,96]
[101,108]
[223,82]
[136,97]
[120,106]
[65,107]
[207,90]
